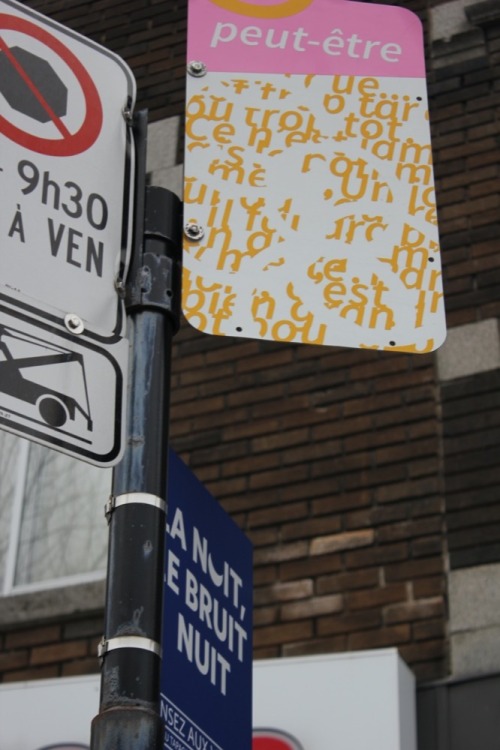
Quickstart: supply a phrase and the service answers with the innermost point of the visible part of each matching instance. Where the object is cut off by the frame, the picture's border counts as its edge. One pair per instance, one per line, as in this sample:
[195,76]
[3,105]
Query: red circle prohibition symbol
[69,144]
[274,739]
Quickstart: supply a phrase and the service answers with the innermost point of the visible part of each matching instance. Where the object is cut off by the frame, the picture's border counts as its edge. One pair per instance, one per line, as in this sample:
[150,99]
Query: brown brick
[280,406]
[413,569]
[336,542]
[233,352]
[341,464]
[270,360]
[278,477]
[405,451]
[310,451]
[416,488]
[58,652]
[265,616]
[249,464]
[282,592]
[422,651]
[427,546]
[277,514]
[379,597]
[200,406]
[335,502]
[40,673]
[382,555]
[228,487]
[311,566]
[408,529]
[83,628]
[90,665]
[342,427]
[319,605]
[422,609]
[33,636]
[11,660]
[280,440]
[385,514]
[306,528]
[348,623]
[282,633]
[250,428]
[392,636]
[427,506]
[265,575]
[316,646]
[434,669]
[267,652]
[360,519]
[340,582]
[252,395]
[484,188]
[291,551]
[262,537]
[428,587]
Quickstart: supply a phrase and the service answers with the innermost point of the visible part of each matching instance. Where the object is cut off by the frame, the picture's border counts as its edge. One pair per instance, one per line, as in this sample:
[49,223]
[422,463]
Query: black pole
[128,716]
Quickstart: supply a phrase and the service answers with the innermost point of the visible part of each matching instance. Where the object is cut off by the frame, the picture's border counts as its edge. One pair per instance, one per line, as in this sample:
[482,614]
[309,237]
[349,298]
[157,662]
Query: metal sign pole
[130,650]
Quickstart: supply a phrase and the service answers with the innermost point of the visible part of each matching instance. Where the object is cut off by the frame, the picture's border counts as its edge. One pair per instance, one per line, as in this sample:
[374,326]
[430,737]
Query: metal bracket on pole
[146,498]
[128,641]
[155,277]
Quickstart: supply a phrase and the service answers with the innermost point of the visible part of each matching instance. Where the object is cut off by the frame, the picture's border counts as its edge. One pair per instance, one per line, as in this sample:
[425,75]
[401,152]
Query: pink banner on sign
[323,37]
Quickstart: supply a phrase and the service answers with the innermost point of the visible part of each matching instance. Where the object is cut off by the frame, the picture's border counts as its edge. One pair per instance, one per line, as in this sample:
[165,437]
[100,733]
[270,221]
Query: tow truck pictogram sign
[66,179]
[48,392]
[55,407]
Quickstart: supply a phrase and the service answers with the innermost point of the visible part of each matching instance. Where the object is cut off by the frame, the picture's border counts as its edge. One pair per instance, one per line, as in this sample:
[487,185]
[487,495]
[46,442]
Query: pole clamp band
[145,498]
[128,641]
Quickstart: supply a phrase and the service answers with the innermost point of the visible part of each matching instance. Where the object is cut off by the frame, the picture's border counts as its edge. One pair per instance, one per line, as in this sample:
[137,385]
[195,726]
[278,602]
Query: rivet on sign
[73,323]
[194,231]
[127,111]
[197,68]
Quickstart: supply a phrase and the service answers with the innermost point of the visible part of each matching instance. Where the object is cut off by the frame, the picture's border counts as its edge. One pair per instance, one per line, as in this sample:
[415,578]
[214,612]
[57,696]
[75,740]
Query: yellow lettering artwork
[317,201]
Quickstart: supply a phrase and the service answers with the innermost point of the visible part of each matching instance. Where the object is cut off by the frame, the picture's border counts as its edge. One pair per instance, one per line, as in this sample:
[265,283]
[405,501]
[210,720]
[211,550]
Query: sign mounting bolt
[197,69]
[194,231]
[127,111]
[73,323]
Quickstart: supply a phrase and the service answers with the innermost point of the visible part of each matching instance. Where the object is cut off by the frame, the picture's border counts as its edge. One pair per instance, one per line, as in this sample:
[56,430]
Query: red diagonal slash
[34,90]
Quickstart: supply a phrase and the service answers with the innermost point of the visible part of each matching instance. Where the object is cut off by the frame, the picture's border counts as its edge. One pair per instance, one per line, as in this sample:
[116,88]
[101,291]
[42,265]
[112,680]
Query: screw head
[194,231]
[197,69]
[73,323]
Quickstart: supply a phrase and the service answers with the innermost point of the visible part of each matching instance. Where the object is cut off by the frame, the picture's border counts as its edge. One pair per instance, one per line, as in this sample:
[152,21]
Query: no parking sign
[31,94]
[66,168]
[66,178]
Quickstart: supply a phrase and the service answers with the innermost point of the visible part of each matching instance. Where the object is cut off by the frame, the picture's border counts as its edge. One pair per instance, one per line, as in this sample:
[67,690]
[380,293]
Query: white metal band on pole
[137,497]
[128,641]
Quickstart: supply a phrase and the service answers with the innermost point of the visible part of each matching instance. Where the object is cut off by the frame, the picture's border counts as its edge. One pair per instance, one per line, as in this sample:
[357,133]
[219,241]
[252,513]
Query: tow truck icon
[54,407]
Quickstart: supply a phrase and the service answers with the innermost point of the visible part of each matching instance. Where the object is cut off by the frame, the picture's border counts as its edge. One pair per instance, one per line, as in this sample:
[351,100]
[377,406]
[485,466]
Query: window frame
[8,587]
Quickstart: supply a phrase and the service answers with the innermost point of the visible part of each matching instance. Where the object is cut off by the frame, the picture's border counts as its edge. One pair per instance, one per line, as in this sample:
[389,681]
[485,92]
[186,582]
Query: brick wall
[466,105]
[329,459]
[342,466]
[61,649]
[471,409]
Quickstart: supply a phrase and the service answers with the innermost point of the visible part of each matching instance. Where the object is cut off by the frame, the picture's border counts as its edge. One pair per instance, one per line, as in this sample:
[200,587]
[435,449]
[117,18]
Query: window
[52,526]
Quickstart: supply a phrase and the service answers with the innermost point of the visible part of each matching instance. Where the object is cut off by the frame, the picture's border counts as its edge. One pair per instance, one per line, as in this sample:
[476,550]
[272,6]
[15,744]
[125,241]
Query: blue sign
[206,681]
